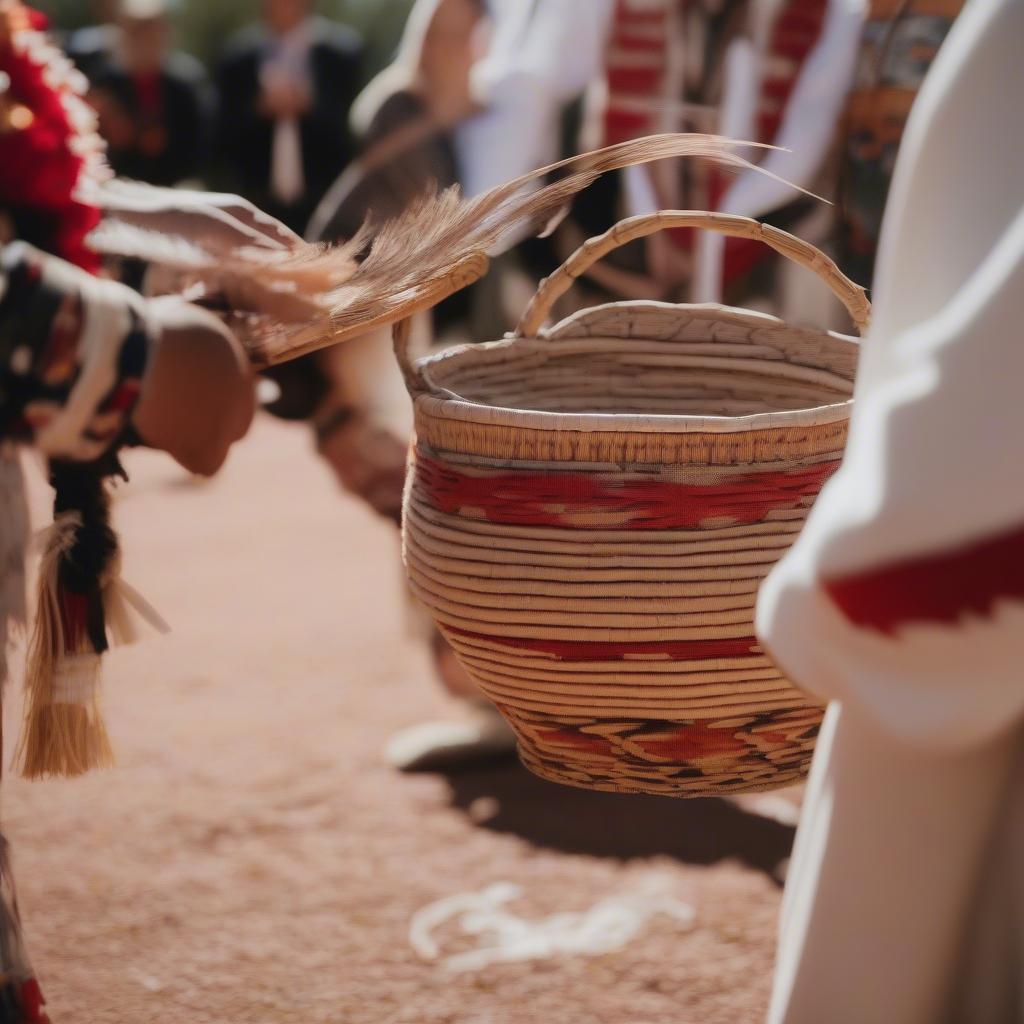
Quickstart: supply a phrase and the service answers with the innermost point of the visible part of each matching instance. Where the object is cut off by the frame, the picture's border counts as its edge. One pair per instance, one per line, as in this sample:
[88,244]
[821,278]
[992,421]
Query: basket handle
[468,269]
[852,296]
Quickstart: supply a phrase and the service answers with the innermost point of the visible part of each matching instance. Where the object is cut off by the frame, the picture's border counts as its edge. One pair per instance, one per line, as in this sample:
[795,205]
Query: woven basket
[591,509]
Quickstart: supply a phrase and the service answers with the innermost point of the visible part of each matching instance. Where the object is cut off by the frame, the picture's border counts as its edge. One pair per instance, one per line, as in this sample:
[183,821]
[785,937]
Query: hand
[283,98]
[198,393]
[214,219]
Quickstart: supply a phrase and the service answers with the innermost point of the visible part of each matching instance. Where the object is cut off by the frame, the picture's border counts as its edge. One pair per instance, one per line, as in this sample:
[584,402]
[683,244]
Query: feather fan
[287,298]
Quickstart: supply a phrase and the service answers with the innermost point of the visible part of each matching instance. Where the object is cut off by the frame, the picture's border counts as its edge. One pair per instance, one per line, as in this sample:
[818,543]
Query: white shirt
[540,56]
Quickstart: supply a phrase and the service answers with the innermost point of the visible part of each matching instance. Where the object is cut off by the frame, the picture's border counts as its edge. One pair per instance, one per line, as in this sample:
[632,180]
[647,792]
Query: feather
[442,242]
[439,244]
[123,238]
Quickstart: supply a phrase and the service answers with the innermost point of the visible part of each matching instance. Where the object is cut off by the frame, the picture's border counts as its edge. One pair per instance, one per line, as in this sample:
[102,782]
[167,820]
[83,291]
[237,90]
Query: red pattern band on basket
[742,754]
[572,500]
[592,506]
[668,650]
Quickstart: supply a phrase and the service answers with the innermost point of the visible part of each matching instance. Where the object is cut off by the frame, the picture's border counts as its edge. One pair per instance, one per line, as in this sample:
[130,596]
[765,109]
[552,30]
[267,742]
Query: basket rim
[445,404]
[754,317]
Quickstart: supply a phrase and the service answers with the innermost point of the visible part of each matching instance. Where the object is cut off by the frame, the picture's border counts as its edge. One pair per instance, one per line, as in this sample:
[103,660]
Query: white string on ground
[504,937]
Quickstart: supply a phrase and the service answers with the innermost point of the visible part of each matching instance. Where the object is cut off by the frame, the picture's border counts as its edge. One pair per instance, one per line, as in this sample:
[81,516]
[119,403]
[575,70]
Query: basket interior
[654,359]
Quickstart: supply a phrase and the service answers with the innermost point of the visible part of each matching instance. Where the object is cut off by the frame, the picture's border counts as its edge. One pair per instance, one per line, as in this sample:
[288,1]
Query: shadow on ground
[505,797]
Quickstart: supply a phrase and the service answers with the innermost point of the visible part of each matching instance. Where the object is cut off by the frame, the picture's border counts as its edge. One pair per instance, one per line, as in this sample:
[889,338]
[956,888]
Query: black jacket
[171,145]
[245,136]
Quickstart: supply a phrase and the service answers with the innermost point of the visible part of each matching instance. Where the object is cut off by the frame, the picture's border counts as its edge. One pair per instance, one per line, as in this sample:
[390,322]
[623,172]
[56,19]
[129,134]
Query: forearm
[83,360]
[73,350]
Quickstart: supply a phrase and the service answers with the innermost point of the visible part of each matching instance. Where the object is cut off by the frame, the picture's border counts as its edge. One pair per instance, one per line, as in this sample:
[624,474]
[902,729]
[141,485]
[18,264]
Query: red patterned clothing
[671,67]
[899,43]
[72,353]
[665,74]
[55,380]
[49,148]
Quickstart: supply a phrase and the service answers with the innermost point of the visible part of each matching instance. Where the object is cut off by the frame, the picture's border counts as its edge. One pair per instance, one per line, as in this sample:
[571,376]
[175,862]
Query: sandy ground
[252,860]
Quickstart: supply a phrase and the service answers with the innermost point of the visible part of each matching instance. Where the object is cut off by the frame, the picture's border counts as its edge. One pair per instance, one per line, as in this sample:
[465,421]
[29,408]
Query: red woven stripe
[777,90]
[697,742]
[743,254]
[625,15]
[634,82]
[669,650]
[623,127]
[939,588]
[572,500]
[624,41]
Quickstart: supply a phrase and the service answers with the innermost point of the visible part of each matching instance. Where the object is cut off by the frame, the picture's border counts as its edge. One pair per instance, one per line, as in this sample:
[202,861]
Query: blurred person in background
[92,45]
[829,82]
[768,72]
[474,96]
[899,42]
[286,87]
[353,396]
[154,103]
[786,83]
[842,127]
[746,68]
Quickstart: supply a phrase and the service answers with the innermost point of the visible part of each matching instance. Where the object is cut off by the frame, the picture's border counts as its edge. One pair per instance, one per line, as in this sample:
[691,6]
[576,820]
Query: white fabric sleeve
[534,67]
[929,468]
[912,764]
[932,465]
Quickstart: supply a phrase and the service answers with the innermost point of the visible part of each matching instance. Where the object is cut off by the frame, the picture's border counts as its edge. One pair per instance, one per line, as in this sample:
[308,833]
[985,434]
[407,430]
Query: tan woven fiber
[591,509]
[853,297]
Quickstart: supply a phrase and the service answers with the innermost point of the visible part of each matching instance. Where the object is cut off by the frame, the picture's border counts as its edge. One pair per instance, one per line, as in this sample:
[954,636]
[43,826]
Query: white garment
[889,604]
[541,55]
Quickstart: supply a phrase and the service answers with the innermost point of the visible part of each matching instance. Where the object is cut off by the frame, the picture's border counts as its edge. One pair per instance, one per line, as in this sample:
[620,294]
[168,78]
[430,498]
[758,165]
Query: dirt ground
[253,861]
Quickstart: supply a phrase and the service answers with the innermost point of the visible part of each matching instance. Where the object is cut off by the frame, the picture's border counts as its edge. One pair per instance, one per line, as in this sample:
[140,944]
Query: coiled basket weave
[592,507]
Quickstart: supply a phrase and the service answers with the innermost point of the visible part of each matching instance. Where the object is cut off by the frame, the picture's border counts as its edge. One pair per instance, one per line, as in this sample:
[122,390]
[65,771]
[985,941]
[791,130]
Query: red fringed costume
[51,318]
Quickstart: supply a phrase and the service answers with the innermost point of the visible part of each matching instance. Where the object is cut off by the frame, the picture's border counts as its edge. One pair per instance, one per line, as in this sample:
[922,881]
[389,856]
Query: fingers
[147,204]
